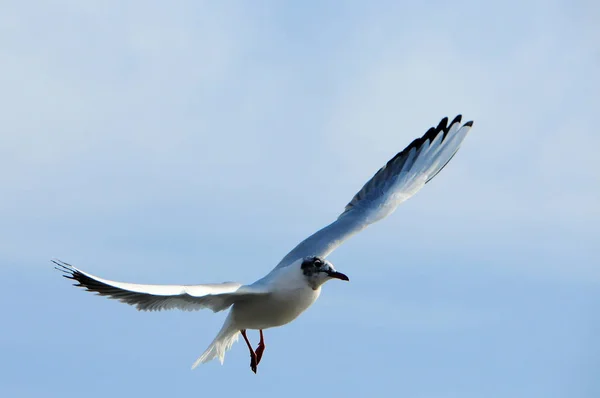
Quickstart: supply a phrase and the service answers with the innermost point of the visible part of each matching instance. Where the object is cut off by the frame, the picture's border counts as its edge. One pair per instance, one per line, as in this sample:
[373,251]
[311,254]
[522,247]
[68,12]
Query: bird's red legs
[261,348]
[253,361]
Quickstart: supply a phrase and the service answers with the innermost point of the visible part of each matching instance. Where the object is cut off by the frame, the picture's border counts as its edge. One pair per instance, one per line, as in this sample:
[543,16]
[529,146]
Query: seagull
[295,283]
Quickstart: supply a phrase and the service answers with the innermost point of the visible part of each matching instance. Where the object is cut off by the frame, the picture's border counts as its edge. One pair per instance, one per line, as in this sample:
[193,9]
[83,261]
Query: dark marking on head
[312,265]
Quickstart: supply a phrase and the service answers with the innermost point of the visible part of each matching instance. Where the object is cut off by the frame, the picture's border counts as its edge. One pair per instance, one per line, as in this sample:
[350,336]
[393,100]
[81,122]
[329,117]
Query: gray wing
[217,297]
[402,177]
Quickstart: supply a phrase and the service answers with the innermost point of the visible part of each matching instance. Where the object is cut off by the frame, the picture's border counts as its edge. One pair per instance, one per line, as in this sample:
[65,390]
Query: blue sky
[200,141]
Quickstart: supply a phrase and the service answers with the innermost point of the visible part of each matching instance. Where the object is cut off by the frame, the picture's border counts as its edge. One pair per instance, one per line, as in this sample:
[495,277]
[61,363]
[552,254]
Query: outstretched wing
[402,177]
[216,297]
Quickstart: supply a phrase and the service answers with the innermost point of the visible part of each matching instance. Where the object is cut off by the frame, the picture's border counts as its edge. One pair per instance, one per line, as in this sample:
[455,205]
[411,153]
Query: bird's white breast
[290,296]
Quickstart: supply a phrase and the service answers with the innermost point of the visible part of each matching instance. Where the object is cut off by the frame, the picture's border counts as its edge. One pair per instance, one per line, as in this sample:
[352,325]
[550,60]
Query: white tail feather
[228,335]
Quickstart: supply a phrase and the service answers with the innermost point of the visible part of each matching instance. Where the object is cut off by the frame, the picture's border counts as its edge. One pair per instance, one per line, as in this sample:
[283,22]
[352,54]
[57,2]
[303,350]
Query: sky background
[199,141]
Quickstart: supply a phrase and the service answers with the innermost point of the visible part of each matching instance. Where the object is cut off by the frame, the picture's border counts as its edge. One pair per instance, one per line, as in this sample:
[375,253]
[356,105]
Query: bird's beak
[338,275]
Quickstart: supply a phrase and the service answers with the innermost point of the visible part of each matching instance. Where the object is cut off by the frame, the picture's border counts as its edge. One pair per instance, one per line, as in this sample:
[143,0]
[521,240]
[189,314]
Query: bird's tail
[228,335]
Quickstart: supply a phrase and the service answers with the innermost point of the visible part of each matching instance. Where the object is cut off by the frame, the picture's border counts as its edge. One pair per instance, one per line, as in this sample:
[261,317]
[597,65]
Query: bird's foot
[259,352]
[253,362]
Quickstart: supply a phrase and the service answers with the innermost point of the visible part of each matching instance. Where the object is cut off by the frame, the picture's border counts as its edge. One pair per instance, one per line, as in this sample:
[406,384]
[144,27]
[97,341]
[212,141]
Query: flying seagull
[295,283]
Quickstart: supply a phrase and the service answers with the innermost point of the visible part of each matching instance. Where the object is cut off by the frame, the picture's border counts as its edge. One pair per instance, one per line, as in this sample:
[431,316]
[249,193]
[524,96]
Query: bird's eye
[318,263]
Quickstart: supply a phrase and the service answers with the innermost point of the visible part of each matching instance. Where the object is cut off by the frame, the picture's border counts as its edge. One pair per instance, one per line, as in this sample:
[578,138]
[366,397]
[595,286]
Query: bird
[296,281]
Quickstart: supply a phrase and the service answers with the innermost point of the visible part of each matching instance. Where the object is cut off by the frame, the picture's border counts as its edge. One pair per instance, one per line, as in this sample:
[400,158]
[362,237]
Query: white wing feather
[402,177]
[216,297]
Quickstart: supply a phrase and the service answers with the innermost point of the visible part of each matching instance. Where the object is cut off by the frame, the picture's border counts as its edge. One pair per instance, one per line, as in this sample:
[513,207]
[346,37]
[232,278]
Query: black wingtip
[469,123]
[65,268]
[457,119]
[443,125]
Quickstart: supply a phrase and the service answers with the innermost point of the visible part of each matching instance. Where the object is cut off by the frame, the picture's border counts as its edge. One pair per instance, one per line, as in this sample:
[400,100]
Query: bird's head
[317,271]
